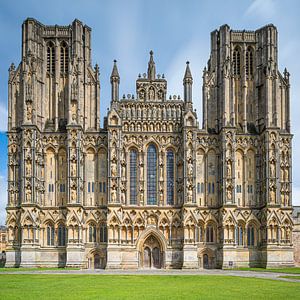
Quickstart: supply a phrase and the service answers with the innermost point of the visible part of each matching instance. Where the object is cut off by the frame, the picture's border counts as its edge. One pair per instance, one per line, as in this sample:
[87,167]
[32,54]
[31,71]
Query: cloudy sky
[176,31]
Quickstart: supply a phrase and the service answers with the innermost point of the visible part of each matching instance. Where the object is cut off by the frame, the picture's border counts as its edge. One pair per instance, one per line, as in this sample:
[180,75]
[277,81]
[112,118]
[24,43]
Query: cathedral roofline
[226,26]
[30,19]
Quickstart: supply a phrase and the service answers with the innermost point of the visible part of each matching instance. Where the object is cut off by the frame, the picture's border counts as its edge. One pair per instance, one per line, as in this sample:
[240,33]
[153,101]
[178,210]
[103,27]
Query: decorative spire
[115,81]
[188,74]
[187,84]
[115,73]
[151,67]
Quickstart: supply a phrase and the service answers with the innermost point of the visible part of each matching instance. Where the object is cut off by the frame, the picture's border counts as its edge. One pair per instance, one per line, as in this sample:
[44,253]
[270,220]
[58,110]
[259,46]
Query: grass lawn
[278,270]
[35,269]
[132,287]
[291,277]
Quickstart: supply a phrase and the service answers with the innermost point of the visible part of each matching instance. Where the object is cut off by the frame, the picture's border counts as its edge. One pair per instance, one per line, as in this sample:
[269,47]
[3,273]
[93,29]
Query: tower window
[50,58]
[249,62]
[64,58]
[236,62]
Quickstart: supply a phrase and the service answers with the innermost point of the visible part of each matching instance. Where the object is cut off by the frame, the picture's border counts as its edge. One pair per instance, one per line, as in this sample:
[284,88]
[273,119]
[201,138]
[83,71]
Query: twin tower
[149,189]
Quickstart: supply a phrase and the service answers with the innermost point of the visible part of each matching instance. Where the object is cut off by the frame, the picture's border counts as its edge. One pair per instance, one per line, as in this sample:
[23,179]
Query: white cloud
[3,117]
[3,199]
[262,9]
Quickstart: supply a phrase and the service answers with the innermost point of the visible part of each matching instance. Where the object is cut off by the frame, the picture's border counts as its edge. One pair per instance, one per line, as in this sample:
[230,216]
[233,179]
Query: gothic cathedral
[151,188]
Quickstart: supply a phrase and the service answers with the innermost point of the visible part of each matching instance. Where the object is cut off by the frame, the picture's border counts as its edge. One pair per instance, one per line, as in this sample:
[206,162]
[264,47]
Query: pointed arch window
[209,234]
[103,233]
[92,233]
[50,235]
[236,62]
[170,177]
[250,235]
[64,58]
[61,235]
[151,175]
[50,58]
[249,62]
[240,235]
[133,177]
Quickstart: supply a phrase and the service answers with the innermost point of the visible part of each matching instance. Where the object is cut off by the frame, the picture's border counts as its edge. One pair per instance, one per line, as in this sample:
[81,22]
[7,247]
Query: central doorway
[152,255]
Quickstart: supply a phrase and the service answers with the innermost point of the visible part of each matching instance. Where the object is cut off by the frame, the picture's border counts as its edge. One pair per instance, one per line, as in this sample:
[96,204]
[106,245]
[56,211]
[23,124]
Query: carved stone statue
[29,112]
[190,169]
[113,169]
[28,168]
[190,194]
[28,195]
[272,169]
[142,95]
[73,169]
[113,195]
[123,169]
[229,193]
[229,173]
[272,196]
[151,94]
[73,195]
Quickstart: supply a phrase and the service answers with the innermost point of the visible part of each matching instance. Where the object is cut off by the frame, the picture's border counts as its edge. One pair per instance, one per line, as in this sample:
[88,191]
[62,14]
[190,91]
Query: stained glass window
[133,177]
[152,175]
[170,177]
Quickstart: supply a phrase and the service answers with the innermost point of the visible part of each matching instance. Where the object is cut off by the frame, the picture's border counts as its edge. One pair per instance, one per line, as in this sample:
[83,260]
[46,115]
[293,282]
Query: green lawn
[291,277]
[34,269]
[278,270]
[132,287]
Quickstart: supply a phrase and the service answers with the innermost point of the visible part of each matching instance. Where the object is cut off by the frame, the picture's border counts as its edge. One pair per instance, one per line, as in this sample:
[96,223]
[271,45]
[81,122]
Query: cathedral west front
[151,187]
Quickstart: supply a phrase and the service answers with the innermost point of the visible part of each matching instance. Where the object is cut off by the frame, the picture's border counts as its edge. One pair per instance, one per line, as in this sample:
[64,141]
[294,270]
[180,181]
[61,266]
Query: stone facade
[296,234]
[3,239]
[151,188]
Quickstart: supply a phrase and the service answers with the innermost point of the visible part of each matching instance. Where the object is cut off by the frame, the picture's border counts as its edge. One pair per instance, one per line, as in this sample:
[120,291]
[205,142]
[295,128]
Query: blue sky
[176,31]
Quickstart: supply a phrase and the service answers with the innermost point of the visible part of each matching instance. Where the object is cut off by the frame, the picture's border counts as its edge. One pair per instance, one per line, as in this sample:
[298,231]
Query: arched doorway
[152,254]
[96,261]
[205,261]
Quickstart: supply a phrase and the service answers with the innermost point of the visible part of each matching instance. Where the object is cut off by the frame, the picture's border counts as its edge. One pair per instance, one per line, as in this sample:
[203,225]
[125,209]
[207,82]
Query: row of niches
[152,126]
[152,112]
[141,96]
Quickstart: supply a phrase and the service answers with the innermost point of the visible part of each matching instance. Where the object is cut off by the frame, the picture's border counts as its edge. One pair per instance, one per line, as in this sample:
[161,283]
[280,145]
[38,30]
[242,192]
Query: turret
[115,82]
[151,67]
[187,84]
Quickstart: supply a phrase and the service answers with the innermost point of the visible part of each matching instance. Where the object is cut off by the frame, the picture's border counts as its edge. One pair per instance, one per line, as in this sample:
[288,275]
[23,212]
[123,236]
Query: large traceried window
[170,177]
[133,177]
[152,175]
[236,62]
[50,58]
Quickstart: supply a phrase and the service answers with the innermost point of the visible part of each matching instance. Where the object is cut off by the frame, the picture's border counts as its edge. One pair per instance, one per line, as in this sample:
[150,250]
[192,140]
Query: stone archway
[207,259]
[96,259]
[152,253]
